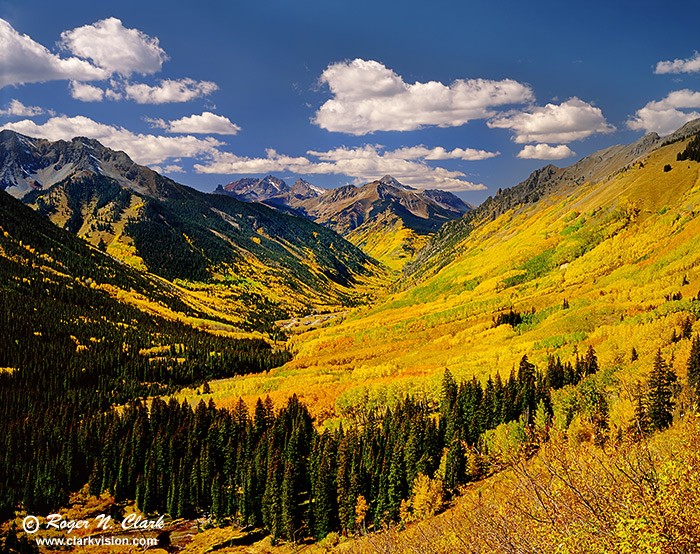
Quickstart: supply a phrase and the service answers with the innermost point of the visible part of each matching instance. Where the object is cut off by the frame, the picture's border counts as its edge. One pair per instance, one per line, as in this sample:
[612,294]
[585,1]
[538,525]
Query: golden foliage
[626,498]
[427,498]
[597,263]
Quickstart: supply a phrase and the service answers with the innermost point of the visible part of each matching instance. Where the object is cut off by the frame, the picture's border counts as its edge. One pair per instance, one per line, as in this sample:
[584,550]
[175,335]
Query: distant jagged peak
[8,137]
[303,188]
[274,182]
[252,189]
[37,164]
[240,184]
[447,200]
[388,180]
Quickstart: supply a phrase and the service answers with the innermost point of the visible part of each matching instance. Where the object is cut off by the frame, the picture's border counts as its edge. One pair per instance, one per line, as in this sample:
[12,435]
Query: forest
[270,469]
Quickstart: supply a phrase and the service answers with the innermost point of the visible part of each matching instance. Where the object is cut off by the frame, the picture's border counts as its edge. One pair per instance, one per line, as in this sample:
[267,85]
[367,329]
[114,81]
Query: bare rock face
[346,208]
[28,164]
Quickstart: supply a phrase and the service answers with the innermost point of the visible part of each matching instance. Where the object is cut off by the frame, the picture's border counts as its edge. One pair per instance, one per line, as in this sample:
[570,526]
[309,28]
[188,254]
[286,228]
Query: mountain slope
[386,219]
[251,258]
[38,258]
[612,264]
[82,333]
[540,184]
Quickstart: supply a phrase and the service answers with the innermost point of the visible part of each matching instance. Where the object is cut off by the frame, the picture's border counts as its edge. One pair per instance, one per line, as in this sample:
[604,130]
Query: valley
[593,264]
[386,219]
[338,365]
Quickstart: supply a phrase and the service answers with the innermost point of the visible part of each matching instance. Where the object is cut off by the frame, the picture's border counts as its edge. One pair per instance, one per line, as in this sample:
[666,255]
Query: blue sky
[468,97]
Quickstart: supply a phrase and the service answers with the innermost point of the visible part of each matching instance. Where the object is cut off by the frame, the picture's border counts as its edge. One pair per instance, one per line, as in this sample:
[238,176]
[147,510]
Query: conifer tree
[694,368]
[526,382]
[455,466]
[661,403]
[396,486]
[325,508]
[687,328]
[449,393]
[591,361]
[346,504]
[555,373]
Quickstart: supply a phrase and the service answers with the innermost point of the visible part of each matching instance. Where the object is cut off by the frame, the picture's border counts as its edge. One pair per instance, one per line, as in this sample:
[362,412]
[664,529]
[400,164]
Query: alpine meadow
[320,278]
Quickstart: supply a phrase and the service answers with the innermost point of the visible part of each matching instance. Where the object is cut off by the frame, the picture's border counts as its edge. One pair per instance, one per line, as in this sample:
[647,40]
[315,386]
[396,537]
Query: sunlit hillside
[612,264]
[251,263]
[388,240]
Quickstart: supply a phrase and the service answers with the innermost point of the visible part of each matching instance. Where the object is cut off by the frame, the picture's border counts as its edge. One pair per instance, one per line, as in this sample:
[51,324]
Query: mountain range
[385,218]
[246,255]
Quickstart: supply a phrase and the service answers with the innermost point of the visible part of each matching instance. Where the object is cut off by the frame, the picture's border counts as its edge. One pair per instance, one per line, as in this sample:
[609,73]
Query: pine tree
[555,373]
[325,507]
[694,368]
[591,361]
[396,490]
[455,466]
[661,382]
[449,393]
[346,503]
[526,382]
[687,328]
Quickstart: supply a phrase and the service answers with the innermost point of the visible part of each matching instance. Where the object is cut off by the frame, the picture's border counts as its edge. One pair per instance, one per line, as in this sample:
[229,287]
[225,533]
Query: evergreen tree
[449,393]
[455,466]
[591,361]
[396,485]
[661,403]
[687,328]
[526,382]
[325,507]
[555,373]
[346,503]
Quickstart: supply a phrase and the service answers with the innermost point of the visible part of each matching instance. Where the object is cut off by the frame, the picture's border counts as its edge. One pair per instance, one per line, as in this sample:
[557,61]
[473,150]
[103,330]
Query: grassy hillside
[388,240]
[611,264]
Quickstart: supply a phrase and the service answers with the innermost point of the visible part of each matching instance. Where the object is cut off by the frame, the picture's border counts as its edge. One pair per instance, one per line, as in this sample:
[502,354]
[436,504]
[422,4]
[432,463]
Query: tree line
[275,469]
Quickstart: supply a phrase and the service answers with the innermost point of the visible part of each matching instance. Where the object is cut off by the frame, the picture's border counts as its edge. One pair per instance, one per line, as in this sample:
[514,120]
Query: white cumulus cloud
[206,123]
[22,60]
[545,152]
[17,109]
[363,163]
[562,123]
[666,115]
[142,148]
[368,97]
[113,47]
[85,92]
[102,50]
[169,90]
[689,65]
[440,153]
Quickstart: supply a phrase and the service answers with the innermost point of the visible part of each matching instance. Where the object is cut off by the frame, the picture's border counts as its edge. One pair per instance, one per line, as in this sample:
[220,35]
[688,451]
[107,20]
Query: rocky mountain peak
[391,182]
[304,189]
